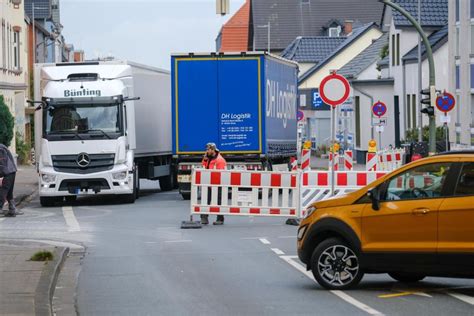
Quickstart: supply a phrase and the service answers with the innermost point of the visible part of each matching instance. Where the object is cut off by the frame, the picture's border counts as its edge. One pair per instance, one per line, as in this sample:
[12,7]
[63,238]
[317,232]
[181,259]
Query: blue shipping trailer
[244,103]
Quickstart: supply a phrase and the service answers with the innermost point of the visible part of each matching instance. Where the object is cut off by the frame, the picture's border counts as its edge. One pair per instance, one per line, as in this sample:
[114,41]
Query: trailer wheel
[167,183]
[186,196]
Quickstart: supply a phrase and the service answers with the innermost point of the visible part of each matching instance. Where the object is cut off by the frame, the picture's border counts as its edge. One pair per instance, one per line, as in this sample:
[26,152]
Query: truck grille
[96,163]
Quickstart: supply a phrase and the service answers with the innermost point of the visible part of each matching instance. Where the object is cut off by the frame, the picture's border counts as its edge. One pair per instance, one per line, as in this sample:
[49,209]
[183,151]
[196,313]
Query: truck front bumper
[118,180]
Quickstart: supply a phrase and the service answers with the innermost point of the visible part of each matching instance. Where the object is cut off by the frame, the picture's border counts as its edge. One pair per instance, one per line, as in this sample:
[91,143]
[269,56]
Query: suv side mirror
[374,196]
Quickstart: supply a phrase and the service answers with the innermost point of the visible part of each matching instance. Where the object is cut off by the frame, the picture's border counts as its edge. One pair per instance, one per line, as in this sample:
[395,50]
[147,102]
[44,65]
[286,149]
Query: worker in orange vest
[213,160]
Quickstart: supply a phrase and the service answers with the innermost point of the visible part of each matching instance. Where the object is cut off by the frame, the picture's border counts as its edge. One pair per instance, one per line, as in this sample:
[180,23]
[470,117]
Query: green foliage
[6,123]
[22,149]
[384,51]
[42,255]
[412,134]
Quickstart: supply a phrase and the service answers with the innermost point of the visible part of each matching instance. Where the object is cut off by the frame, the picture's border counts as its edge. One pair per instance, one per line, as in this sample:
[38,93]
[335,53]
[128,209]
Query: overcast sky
[144,31]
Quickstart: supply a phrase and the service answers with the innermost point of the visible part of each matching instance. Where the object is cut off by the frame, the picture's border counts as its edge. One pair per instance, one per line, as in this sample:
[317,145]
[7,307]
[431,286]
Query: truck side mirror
[374,196]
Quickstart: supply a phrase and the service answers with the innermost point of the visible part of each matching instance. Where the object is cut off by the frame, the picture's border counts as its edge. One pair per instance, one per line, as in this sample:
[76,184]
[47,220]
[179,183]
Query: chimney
[348,26]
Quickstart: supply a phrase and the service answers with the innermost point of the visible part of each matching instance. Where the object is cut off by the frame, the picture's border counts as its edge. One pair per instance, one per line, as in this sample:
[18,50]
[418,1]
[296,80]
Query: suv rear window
[465,185]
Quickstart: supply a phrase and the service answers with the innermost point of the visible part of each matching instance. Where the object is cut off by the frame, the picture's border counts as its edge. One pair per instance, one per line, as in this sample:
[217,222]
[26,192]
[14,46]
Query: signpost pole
[333,138]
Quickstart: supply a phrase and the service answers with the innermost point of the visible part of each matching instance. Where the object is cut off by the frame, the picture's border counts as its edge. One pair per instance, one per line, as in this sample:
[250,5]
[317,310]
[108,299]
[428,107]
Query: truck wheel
[130,198]
[166,183]
[49,201]
[70,198]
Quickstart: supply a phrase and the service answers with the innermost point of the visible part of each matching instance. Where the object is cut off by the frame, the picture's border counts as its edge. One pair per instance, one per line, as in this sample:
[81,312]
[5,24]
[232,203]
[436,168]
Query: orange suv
[416,221]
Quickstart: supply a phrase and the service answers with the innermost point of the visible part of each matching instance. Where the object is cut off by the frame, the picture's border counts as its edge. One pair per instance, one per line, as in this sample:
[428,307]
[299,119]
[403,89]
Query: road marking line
[264,241]
[71,221]
[278,251]
[177,241]
[2,219]
[340,294]
[287,237]
[404,294]
[462,297]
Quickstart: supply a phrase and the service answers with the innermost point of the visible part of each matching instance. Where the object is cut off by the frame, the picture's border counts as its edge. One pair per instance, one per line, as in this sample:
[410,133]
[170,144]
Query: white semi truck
[100,127]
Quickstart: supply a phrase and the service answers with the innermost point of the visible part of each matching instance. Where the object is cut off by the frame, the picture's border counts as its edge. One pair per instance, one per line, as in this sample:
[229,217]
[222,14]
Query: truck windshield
[83,121]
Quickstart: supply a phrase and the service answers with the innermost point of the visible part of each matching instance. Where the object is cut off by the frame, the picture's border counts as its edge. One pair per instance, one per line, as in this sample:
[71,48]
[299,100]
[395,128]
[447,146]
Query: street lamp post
[429,54]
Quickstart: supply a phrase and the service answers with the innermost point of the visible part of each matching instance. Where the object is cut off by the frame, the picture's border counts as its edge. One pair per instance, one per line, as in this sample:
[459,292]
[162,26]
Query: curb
[47,283]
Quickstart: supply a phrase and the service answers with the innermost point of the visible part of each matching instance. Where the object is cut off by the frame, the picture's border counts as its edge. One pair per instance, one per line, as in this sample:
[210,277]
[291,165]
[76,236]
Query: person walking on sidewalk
[213,160]
[7,173]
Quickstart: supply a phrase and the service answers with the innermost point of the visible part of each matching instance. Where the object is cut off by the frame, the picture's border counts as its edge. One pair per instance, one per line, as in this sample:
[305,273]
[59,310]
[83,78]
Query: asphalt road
[138,261]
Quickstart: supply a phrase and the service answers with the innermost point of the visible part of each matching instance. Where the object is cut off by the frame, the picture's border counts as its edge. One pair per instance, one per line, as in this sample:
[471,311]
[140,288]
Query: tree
[6,123]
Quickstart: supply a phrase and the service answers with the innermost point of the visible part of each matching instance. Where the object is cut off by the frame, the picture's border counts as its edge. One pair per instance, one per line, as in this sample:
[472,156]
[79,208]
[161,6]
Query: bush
[22,149]
[412,134]
[6,123]
[42,256]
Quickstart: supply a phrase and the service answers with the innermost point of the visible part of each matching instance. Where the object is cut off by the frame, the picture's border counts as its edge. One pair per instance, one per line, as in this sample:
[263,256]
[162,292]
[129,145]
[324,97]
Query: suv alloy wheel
[335,265]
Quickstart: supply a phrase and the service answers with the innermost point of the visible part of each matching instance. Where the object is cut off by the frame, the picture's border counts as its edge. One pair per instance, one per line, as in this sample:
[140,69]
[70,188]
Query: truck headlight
[120,175]
[310,211]
[48,178]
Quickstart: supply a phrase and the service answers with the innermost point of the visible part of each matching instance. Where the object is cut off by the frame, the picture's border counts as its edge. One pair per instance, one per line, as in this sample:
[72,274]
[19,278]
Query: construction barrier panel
[255,193]
[306,159]
[316,185]
[266,193]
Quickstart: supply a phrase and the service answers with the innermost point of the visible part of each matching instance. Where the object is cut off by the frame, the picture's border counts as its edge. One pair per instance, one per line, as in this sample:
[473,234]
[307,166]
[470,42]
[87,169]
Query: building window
[334,31]
[4,46]
[16,50]
[357,114]
[472,76]
[472,9]
[408,107]
[413,107]
[458,83]
[393,49]
[398,49]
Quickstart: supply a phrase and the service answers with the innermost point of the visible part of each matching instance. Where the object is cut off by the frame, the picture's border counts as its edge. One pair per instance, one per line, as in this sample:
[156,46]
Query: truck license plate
[184,178]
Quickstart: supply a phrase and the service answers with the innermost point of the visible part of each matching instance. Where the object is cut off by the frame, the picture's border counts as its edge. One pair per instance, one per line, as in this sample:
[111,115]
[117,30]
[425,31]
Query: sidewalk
[26,286]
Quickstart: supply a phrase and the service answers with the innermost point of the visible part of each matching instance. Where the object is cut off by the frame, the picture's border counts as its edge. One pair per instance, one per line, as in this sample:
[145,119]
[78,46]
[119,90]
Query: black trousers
[219,201]
[6,190]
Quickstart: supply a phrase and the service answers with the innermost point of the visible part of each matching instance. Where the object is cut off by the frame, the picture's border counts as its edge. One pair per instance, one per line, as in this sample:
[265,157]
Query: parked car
[416,221]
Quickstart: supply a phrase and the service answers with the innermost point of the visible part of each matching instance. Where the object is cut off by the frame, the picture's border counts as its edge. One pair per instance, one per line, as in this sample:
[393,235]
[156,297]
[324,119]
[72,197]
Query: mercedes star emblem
[83,160]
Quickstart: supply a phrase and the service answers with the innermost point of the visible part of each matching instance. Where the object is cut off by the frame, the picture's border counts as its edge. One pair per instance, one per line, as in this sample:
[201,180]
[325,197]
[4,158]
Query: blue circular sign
[379,109]
[299,115]
[445,102]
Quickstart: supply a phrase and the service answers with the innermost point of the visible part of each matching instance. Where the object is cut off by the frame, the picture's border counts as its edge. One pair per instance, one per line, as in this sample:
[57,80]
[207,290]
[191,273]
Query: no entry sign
[299,115]
[334,89]
[445,102]
[379,109]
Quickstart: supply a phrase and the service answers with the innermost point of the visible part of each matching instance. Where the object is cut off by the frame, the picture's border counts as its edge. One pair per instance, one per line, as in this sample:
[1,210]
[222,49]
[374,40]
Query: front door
[406,224]
[456,228]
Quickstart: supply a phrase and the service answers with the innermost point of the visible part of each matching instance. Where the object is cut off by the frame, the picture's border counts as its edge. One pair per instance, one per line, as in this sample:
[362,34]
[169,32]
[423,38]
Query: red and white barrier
[265,193]
[293,164]
[390,159]
[348,160]
[306,159]
[316,185]
[334,156]
[371,162]
[239,192]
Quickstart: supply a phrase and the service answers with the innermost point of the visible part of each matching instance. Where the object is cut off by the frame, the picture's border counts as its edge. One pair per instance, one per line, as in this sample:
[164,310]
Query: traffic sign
[334,89]
[299,115]
[379,109]
[317,101]
[445,102]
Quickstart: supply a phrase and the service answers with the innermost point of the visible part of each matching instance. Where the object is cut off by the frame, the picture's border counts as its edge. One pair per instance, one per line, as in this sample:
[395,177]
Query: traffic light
[428,110]
[425,100]
[427,97]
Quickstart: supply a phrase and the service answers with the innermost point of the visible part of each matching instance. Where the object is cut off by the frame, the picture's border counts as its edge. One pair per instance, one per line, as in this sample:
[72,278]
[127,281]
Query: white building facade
[13,60]
[461,70]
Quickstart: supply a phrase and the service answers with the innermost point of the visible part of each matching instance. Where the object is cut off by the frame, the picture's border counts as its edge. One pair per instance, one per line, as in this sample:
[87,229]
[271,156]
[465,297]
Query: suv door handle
[420,211]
